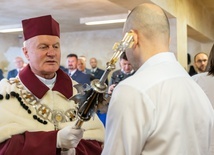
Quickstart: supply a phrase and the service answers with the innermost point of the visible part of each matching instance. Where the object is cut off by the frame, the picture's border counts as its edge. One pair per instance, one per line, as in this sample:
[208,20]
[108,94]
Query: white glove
[69,152]
[69,137]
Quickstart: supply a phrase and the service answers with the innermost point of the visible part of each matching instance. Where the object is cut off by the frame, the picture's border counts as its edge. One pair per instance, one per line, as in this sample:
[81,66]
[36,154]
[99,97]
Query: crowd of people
[156,107]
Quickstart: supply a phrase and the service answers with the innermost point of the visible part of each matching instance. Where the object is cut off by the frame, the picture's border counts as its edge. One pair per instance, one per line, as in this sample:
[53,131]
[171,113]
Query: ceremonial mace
[89,97]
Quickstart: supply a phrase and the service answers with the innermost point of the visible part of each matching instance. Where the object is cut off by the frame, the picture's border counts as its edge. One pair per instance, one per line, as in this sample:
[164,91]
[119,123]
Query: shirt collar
[93,69]
[71,72]
[131,72]
[48,82]
[158,58]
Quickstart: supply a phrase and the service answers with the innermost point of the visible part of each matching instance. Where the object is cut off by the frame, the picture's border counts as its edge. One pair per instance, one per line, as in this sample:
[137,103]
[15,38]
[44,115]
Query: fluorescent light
[120,18]
[11,28]
[106,22]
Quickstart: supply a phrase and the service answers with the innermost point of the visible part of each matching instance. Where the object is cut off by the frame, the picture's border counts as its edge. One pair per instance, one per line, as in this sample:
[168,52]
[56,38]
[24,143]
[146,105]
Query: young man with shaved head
[159,110]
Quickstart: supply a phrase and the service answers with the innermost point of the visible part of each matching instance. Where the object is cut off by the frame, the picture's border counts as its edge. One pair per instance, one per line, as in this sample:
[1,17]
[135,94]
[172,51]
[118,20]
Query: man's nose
[51,51]
[204,62]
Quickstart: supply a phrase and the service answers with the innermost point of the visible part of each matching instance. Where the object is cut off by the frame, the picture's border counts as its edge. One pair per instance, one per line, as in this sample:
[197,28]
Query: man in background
[124,72]
[19,63]
[95,70]
[74,73]
[200,64]
[206,79]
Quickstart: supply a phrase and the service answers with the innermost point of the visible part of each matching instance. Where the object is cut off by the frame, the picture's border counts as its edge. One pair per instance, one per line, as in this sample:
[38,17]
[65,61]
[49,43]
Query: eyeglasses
[200,61]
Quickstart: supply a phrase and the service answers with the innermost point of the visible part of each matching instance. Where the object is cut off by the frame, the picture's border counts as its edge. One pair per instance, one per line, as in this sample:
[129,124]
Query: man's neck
[72,70]
[48,82]
[132,71]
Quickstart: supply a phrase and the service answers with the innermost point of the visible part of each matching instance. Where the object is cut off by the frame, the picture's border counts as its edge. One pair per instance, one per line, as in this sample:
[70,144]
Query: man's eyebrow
[57,43]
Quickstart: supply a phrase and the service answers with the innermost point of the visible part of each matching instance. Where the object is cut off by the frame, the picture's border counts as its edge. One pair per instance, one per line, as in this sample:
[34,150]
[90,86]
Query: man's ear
[25,52]
[135,38]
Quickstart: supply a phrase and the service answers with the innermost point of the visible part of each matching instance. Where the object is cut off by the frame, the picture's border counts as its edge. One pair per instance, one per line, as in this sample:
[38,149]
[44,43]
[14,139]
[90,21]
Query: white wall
[6,41]
[90,44]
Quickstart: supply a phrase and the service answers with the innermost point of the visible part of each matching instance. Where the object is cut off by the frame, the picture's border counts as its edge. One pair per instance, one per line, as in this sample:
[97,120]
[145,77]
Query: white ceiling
[69,12]
[66,12]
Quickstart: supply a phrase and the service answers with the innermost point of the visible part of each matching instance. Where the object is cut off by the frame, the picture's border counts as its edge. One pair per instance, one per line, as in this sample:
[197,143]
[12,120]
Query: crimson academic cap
[44,25]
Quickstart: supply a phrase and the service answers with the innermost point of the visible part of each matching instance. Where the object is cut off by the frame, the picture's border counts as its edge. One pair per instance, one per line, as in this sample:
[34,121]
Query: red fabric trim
[63,83]
[30,143]
[89,147]
[44,143]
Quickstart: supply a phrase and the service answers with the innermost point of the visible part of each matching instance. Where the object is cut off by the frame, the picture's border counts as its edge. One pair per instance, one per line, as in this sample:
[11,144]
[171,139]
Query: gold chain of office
[44,114]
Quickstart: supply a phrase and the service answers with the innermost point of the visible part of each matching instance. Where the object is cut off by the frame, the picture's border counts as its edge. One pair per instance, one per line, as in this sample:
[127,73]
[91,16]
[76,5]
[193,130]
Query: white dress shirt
[207,84]
[159,110]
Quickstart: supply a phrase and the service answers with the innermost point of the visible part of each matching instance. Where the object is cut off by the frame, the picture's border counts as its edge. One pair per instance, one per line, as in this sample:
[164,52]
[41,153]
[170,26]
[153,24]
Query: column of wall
[192,13]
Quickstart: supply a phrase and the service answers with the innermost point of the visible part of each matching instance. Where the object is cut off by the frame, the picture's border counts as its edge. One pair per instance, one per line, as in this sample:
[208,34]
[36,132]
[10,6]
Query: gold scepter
[89,97]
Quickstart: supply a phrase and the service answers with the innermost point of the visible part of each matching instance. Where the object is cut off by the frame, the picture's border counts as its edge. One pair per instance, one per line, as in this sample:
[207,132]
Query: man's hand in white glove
[69,137]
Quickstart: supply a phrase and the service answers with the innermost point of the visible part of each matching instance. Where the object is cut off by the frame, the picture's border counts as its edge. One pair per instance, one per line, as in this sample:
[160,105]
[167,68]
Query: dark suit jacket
[12,73]
[118,76]
[192,71]
[81,77]
[98,74]
[87,71]
[1,74]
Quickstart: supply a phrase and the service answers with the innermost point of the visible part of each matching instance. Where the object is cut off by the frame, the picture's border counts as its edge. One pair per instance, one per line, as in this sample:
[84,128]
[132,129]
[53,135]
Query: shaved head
[150,20]
[149,26]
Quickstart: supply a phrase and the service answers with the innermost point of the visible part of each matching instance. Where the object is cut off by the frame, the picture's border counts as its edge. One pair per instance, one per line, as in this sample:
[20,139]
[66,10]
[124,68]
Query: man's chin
[52,69]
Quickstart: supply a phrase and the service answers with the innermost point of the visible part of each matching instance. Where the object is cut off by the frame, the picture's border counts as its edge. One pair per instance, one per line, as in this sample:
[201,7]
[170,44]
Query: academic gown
[27,107]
